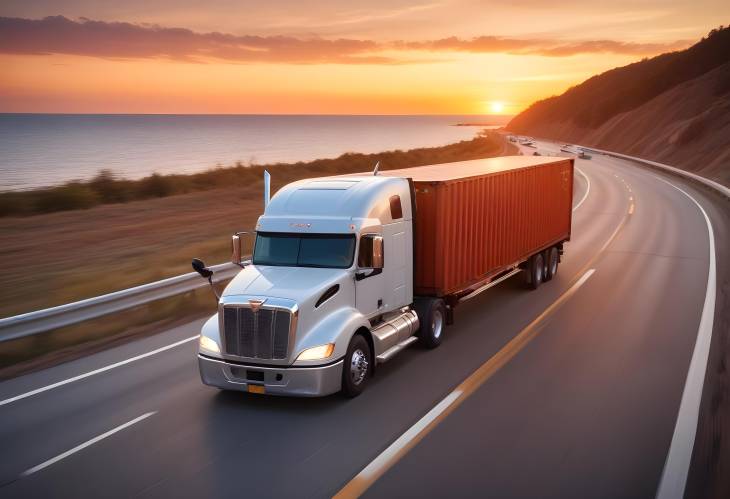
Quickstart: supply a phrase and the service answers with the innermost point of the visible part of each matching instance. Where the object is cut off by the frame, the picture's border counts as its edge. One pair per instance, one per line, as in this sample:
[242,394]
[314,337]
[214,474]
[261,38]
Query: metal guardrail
[706,182]
[72,313]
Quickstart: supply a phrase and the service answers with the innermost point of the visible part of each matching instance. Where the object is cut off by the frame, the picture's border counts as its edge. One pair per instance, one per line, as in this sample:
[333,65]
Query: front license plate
[256,389]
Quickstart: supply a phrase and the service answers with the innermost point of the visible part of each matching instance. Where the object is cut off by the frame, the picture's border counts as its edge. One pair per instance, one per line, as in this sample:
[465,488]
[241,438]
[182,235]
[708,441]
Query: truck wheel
[551,258]
[357,368]
[535,271]
[432,316]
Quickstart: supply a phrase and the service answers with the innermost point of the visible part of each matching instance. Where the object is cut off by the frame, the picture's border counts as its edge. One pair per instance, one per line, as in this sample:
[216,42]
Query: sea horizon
[499,117]
[45,149]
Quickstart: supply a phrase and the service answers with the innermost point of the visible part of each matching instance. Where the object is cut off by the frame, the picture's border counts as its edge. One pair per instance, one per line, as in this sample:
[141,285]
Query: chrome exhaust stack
[267,189]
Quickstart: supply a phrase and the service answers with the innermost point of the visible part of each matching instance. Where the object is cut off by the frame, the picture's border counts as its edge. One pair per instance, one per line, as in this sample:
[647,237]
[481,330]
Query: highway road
[573,390]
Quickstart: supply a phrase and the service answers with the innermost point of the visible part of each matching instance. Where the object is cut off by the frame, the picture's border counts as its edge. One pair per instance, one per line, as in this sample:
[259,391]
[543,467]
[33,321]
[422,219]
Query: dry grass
[64,344]
[56,258]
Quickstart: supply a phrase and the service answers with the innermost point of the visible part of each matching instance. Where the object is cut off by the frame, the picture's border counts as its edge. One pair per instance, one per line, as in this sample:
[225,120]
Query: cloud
[614,47]
[544,47]
[59,35]
[121,40]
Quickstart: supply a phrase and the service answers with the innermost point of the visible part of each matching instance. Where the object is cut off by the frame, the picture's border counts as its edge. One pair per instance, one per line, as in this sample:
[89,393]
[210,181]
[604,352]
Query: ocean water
[48,149]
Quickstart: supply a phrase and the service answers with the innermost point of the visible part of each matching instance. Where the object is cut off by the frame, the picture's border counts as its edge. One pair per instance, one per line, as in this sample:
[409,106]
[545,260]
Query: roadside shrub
[155,186]
[106,187]
[109,188]
[15,203]
[70,196]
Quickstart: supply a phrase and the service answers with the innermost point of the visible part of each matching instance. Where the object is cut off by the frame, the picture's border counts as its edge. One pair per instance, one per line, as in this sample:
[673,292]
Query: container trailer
[347,271]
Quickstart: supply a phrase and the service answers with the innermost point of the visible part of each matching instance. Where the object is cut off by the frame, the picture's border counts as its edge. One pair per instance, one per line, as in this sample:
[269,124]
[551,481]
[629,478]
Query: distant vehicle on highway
[526,141]
[348,271]
[584,155]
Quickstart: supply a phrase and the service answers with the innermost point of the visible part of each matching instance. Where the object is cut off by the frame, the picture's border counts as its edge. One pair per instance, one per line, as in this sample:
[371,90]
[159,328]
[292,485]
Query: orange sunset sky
[325,56]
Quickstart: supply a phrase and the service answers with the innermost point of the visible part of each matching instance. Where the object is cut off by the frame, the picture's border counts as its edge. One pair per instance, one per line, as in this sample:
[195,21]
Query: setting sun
[496,107]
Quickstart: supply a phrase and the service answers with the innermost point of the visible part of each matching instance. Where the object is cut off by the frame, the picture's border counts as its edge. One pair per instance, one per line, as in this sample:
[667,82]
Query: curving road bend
[580,398]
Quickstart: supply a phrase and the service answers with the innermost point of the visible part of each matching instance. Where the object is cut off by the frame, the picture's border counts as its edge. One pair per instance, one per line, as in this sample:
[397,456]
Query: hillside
[673,108]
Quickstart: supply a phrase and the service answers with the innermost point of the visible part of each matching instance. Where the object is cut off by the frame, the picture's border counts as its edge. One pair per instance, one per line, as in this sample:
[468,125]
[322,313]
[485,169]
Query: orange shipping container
[476,219]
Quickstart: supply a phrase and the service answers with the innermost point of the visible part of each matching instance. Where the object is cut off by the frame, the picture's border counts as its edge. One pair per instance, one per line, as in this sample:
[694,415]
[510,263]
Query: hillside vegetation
[115,245]
[673,108]
[108,188]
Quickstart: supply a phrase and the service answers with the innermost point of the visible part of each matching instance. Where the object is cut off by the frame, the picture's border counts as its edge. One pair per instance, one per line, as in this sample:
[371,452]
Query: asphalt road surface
[580,395]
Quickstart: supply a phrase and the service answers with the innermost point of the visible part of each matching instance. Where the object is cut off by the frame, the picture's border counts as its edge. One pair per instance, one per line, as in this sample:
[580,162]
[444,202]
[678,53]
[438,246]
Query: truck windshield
[304,250]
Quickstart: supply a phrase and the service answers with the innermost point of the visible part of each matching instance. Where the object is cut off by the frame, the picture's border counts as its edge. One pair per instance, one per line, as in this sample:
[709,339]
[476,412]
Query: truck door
[370,279]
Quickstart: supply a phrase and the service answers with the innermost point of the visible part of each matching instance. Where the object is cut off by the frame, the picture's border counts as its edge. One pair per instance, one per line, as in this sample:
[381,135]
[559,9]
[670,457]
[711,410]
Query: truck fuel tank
[391,333]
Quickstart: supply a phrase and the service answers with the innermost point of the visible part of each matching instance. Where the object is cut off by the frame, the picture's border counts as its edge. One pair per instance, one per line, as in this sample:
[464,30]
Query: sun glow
[496,107]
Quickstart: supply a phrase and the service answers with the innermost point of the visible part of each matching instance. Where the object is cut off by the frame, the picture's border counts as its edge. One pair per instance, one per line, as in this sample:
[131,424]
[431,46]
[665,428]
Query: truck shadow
[250,401]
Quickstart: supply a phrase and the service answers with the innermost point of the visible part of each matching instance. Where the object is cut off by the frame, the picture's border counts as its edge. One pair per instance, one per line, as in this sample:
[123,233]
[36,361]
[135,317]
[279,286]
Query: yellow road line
[403,444]
[363,480]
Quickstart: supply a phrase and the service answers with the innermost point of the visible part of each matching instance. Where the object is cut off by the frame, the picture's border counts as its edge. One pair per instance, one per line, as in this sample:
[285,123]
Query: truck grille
[261,335]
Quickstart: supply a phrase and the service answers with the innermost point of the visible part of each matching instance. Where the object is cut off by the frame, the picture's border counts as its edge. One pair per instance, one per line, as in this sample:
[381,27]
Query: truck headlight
[317,353]
[208,344]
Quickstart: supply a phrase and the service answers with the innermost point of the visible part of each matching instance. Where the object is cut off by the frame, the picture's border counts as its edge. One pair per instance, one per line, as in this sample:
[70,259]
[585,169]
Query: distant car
[584,155]
[536,153]
[567,148]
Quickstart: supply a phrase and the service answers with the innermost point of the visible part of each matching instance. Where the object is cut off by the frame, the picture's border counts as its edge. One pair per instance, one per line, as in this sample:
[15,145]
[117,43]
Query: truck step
[390,353]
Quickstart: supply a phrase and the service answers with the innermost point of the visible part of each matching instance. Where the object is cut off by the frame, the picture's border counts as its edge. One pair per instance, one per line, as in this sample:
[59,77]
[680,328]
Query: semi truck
[347,271]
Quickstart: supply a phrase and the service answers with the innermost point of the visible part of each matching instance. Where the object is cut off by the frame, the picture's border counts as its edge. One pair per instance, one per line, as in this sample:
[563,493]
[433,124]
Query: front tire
[432,316]
[357,367]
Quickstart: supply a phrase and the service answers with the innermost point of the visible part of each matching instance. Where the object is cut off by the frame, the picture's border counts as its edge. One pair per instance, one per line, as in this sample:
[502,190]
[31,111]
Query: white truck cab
[327,294]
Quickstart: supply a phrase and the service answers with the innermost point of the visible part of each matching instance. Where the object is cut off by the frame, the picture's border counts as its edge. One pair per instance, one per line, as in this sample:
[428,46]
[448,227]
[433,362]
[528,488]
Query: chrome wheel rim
[437,324]
[358,366]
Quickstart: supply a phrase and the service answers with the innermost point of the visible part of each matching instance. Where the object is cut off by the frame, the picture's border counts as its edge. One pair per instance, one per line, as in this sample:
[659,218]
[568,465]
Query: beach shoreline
[108,187]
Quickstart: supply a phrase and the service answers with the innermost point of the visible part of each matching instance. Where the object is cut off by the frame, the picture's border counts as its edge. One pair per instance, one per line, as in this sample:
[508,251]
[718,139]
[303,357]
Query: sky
[325,56]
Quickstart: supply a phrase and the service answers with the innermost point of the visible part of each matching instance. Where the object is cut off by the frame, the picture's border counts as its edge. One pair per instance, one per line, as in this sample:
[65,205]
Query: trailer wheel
[432,316]
[551,259]
[535,271]
[357,368]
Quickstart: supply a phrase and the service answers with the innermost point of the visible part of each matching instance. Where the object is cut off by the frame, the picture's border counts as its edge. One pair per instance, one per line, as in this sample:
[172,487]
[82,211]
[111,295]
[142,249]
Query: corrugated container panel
[474,220]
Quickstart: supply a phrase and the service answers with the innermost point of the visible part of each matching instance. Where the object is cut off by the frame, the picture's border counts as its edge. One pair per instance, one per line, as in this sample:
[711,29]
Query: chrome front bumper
[293,381]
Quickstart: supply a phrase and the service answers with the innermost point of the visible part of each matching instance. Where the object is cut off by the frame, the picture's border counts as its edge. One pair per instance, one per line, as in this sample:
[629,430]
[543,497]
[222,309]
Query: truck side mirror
[236,249]
[237,246]
[370,255]
[205,273]
[200,268]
